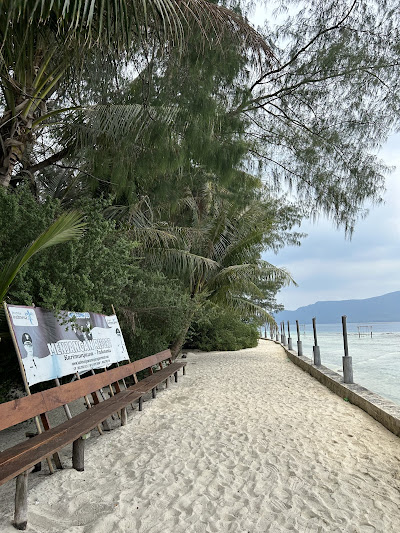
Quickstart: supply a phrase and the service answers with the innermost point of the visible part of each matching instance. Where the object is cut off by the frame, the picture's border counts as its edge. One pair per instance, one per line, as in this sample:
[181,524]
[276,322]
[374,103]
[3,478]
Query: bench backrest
[16,411]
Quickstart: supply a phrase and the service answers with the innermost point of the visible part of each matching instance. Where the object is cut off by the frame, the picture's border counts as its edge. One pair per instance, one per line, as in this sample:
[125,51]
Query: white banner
[51,347]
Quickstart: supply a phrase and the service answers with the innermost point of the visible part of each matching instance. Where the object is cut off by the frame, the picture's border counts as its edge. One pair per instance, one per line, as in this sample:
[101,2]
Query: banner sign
[51,347]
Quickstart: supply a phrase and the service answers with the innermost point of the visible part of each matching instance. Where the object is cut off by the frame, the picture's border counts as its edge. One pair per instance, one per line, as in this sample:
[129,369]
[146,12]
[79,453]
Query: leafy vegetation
[214,329]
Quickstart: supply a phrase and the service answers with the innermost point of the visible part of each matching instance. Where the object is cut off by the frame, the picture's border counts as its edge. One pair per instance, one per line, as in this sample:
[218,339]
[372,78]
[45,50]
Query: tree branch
[49,161]
[305,47]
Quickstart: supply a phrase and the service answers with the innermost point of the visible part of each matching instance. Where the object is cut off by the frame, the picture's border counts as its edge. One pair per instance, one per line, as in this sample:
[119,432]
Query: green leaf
[67,227]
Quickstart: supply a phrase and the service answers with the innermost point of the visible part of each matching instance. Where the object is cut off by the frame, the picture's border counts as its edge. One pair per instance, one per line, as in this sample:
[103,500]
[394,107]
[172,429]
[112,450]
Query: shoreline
[381,409]
[245,442]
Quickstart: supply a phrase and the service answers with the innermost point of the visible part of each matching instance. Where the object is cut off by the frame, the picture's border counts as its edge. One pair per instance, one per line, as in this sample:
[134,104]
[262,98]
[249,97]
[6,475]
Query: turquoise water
[376,360]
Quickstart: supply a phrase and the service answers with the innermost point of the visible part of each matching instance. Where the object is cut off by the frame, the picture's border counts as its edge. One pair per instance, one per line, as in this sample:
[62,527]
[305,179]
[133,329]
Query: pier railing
[347,361]
[381,409]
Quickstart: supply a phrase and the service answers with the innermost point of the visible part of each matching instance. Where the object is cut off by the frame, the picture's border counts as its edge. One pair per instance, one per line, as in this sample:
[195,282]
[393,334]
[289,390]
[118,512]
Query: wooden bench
[19,460]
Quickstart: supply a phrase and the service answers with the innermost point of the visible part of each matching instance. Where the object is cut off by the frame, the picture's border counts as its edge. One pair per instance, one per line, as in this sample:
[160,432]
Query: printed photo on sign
[52,347]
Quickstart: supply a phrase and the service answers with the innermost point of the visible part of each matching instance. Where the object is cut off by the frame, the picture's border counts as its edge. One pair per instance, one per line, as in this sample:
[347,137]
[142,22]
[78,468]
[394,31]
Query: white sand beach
[246,442]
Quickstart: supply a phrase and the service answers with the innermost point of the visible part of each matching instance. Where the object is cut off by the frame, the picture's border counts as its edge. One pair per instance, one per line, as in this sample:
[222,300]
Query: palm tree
[218,257]
[44,45]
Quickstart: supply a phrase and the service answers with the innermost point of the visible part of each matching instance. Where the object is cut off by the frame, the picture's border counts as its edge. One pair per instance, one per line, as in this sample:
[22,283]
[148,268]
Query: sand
[246,442]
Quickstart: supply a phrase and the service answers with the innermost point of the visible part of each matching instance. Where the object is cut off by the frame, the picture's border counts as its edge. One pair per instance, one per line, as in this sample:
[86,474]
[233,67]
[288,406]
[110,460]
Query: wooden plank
[46,424]
[96,400]
[89,405]
[157,378]
[98,410]
[104,409]
[21,457]
[22,409]
[66,406]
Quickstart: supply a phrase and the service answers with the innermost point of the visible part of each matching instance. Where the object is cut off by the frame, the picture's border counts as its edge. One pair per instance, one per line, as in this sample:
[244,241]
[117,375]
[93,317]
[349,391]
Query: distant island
[385,308]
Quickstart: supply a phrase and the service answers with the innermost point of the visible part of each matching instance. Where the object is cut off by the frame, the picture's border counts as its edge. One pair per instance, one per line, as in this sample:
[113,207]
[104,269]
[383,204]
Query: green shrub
[218,329]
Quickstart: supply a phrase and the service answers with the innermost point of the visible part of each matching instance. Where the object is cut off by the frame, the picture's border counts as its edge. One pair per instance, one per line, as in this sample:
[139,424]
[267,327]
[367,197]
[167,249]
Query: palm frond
[252,273]
[181,262]
[117,24]
[68,226]
[270,272]
[117,121]
[153,238]
[247,308]
[238,286]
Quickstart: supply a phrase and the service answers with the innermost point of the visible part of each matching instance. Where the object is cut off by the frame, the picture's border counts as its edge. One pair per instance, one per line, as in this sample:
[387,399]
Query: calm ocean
[376,360]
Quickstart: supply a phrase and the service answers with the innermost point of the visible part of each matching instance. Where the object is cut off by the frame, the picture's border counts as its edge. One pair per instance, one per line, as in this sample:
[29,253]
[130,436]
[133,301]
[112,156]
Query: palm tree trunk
[176,346]
[16,132]
[14,152]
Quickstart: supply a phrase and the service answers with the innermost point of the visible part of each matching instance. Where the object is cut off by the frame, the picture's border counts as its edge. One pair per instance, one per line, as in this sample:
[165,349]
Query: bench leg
[140,404]
[153,392]
[184,370]
[106,425]
[78,454]
[21,501]
[57,461]
[176,377]
[166,383]
[124,416]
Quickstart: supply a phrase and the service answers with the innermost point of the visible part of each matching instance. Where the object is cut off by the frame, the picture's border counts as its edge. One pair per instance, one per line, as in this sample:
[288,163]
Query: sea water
[376,359]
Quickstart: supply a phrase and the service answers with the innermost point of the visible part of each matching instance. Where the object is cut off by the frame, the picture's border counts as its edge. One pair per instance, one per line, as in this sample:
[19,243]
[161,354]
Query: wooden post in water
[347,361]
[276,333]
[316,351]
[299,343]
[290,344]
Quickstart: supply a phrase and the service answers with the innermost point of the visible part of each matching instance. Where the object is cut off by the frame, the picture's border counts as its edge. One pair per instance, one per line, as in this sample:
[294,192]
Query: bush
[218,329]
[155,314]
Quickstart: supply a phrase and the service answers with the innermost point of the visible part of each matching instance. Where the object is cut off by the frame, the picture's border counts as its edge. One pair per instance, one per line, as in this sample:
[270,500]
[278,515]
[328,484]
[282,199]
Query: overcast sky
[329,267]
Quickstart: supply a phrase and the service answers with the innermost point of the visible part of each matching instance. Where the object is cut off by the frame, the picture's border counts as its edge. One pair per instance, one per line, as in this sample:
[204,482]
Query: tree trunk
[16,132]
[178,343]
[180,340]
[14,152]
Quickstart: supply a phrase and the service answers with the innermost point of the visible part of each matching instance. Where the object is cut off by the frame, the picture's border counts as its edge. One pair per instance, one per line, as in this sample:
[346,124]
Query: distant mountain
[385,308]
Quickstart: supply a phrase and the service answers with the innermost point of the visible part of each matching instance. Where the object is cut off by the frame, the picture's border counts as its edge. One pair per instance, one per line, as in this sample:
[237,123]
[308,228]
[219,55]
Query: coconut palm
[45,44]
[217,257]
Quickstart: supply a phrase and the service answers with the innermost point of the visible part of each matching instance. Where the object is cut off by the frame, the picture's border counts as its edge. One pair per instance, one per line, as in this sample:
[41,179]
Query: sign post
[21,366]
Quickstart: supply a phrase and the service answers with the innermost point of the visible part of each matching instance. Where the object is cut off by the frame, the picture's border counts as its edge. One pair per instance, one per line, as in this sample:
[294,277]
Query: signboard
[51,347]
